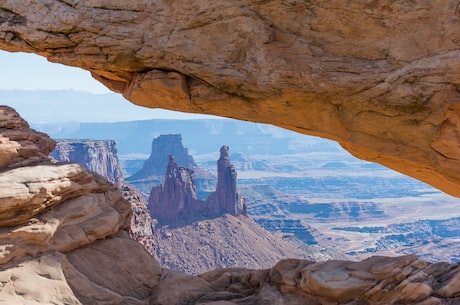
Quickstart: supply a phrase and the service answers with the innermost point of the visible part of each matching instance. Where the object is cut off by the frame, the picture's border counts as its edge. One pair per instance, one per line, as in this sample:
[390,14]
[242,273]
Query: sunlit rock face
[380,78]
[61,227]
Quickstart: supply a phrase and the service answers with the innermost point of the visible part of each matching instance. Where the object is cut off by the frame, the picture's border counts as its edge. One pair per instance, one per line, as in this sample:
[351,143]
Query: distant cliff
[100,156]
[162,147]
[177,200]
[154,168]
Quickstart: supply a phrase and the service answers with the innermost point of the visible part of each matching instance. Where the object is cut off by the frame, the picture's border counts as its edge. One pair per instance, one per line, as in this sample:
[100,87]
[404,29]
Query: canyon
[388,94]
[75,224]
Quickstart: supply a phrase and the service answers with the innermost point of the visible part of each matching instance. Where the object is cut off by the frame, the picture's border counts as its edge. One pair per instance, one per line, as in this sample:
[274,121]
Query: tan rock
[21,145]
[27,191]
[36,281]
[116,270]
[388,94]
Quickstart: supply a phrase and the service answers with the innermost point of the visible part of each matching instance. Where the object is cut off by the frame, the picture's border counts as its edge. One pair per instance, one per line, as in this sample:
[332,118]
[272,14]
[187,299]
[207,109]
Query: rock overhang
[380,78]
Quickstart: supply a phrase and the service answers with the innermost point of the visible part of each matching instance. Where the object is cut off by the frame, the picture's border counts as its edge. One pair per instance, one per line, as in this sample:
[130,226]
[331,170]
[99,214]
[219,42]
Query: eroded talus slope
[380,78]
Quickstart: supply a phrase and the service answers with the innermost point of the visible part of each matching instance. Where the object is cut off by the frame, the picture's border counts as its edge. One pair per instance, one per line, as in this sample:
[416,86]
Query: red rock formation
[100,156]
[226,199]
[177,198]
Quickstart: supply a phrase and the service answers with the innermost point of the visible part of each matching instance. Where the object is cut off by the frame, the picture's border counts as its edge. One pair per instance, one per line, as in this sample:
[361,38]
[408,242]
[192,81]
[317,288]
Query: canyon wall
[380,78]
[100,156]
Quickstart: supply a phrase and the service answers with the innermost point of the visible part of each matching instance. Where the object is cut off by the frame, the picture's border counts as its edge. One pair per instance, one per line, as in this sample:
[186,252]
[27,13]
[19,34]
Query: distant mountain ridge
[200,136]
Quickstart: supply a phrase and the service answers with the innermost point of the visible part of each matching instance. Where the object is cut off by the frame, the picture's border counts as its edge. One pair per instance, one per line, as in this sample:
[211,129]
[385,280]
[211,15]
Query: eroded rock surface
[176,201]
[100,156]
[380,78]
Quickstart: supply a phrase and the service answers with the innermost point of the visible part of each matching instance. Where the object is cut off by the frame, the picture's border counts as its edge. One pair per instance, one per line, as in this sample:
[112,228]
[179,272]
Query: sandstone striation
[60,226]
[94,155]
[388,94]
[21,145]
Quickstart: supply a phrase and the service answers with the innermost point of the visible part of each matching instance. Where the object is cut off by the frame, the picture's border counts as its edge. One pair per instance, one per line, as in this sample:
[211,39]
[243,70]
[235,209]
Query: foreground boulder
[380,78]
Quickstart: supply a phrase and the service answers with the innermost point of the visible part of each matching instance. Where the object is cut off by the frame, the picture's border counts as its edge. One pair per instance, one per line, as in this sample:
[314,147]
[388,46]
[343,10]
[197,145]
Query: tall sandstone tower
[176,199]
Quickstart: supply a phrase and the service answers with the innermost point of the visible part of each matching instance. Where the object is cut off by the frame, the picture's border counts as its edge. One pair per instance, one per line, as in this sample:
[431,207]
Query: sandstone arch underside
[380,77]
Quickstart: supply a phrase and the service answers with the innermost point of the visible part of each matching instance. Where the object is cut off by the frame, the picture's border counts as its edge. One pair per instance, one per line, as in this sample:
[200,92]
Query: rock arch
[380,78]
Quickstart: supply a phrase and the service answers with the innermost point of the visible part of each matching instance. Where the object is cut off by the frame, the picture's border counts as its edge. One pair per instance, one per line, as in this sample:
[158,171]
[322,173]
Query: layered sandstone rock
[100,156]
[60,227]
[20,145]
[380,78]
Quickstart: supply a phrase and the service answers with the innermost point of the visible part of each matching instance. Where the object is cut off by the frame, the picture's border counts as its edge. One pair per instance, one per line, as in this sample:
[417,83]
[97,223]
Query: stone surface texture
[100,156]
[380,78]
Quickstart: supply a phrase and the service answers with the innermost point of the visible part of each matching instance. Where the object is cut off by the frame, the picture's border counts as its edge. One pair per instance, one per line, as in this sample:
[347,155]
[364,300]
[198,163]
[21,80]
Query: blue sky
[87,100]
[30,71]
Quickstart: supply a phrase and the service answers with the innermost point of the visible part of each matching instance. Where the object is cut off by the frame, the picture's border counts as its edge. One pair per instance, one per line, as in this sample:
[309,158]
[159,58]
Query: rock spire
[176,199]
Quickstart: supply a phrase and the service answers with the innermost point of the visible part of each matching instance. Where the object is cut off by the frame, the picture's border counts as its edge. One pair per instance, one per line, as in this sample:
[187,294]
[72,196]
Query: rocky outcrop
[60,229]
[176,200]
[389,95]
[142,226]
[100,156]
[21,146]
